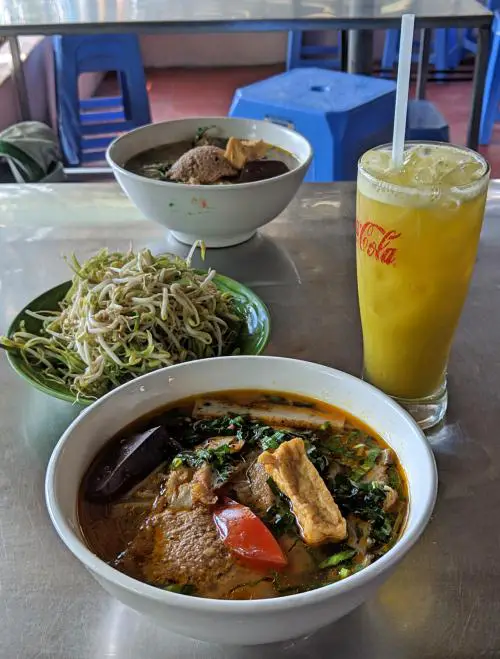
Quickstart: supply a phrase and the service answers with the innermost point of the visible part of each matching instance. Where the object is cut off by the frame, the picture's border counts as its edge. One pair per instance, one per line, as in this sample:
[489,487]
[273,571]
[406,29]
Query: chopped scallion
[338,558]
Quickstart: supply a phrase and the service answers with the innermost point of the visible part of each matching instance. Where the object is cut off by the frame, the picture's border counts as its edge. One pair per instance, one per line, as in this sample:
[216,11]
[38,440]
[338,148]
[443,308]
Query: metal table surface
[361,17]
[71,16]
[444,599]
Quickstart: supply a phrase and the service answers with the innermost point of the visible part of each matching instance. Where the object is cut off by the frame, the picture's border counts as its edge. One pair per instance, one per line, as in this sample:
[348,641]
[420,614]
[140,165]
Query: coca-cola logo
[377,242]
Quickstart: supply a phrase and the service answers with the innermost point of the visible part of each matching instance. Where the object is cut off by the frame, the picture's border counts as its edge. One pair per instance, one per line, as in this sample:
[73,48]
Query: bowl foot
[189,239]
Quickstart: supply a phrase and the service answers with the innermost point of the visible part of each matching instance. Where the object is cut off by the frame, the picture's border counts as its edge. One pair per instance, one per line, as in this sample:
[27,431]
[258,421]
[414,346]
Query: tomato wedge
[247,536]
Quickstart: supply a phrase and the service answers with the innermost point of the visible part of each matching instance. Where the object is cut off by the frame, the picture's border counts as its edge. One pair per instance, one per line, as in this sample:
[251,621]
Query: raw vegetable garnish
[126,315]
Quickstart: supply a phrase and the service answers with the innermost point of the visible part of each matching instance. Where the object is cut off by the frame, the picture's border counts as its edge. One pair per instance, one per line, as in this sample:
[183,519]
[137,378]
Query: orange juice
[417,232]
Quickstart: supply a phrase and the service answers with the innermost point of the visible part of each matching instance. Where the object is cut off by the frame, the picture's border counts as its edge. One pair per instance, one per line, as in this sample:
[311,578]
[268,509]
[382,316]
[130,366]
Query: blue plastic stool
[425,122]
[300,54]
[342,115]
[470,40]
[446,49]
[490,112]
[87,126]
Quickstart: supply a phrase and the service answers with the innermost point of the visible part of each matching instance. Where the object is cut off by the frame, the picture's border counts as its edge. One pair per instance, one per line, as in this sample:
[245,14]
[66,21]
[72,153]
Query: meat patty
[201,165]
[184,547]
[253,490]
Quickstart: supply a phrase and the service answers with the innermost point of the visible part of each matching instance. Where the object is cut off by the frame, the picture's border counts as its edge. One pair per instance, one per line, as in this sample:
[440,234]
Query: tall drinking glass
[417,232]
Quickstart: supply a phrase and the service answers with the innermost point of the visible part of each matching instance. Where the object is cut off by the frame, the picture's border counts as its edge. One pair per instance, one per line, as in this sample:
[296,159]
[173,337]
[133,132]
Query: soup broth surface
[211,160]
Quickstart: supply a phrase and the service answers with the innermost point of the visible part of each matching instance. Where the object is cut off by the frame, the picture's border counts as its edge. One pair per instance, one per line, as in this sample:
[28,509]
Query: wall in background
[35,74]
[39,74]
[237,49]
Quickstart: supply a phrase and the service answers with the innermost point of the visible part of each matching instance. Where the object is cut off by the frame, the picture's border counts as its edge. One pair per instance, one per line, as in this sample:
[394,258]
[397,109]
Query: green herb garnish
[367,464]
[272,442]
[219,458]
[365,500]
[280,517]
[338,558]
[183,589]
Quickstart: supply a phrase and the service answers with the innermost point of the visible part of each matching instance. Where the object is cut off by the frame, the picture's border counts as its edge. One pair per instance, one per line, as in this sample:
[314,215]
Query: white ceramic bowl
[221,215]
[240,622]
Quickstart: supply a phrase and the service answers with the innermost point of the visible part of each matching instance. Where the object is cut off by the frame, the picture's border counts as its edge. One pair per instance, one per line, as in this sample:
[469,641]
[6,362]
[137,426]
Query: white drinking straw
[402,88]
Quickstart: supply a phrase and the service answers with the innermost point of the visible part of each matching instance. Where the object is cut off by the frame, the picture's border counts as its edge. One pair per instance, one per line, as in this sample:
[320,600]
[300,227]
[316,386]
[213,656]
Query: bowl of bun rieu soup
[242,500]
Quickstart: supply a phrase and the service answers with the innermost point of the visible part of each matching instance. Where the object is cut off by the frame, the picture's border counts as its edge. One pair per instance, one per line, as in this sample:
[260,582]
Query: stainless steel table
[443,601]
[19,17]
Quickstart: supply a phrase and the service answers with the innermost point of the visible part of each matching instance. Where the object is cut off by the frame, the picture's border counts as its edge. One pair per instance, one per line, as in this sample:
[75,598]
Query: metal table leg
[423,63]
[360,51]
[344,50]
[19,80]
[481,65]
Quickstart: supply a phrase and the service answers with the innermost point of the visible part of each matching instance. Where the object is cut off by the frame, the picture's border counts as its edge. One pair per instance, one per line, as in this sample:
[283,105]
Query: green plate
[252,341]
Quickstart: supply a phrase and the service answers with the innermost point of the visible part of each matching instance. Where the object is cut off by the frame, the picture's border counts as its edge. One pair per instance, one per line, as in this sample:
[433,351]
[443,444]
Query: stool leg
[441,52]
[391,45]
[447,51]
[294,47]
[135,96]
[67,102]
[456,46]
[423,63]
[479,83]
[469,44]
[491,93]
[124,92]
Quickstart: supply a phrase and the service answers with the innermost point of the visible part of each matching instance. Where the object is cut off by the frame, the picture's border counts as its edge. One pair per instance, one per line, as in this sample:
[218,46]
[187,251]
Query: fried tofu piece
[239,152]
[317,514]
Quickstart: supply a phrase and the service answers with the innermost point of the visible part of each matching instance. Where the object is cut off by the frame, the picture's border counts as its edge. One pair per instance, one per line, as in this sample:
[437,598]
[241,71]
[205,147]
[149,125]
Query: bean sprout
[126,315]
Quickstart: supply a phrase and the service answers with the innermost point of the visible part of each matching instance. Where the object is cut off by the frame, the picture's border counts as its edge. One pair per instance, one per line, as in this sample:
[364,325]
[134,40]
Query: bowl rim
[174,185]
[247,607]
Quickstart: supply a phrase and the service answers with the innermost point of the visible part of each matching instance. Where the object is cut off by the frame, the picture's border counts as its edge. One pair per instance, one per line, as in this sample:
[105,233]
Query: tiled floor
[178,93]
